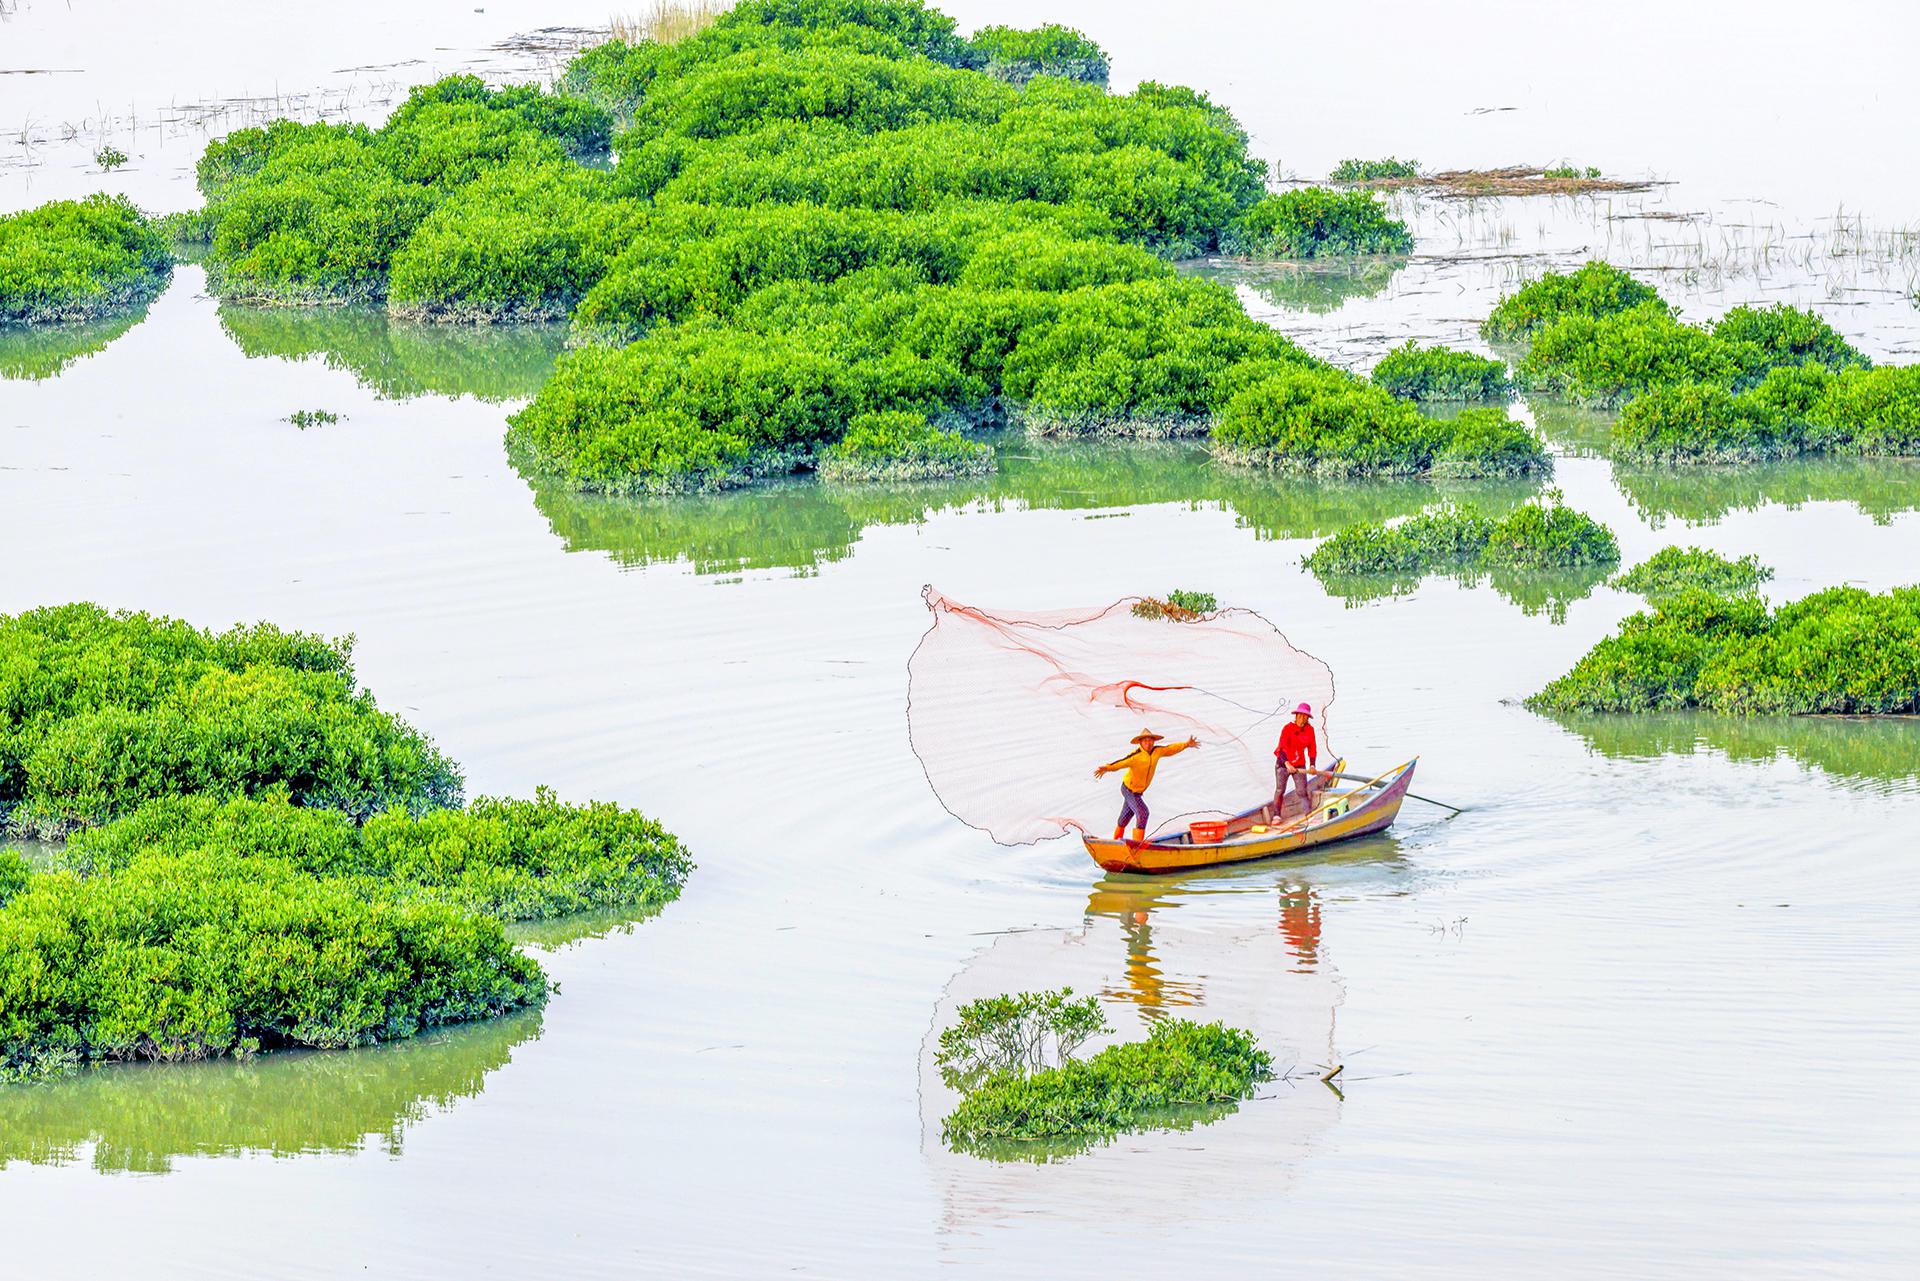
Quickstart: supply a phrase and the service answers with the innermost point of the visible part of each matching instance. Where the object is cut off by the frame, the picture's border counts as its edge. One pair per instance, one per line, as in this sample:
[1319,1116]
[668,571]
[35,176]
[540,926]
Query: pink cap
[1303,710]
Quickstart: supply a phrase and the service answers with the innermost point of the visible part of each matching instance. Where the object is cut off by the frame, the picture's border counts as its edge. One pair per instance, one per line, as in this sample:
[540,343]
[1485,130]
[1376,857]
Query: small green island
[832,237]
[1025,1095]
[1758,384]
[1542,555]
[79,260]
[256,855]
[1710,643]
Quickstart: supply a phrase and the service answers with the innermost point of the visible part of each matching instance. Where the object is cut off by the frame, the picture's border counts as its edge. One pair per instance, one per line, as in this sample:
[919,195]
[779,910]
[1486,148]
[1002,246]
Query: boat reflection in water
[1244,946]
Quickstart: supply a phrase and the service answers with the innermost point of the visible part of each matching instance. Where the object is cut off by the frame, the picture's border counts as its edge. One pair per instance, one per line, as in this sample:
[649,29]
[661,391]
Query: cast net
[1009,713]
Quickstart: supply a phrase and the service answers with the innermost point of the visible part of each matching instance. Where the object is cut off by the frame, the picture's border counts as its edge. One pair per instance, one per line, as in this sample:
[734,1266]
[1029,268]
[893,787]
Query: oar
[1358,778]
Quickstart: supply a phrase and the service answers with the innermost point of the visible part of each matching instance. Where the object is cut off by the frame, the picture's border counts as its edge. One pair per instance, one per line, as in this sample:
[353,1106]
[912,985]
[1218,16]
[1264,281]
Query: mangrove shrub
[1413,372]
[1017,56]
[1327,423]
[513,859]
[79,260]
[1593,291]
[1539,535]
[1130,1086]
[1796,409]
[1313,222]
[100,711]
[1842,650]
[200,954]
[1673,570]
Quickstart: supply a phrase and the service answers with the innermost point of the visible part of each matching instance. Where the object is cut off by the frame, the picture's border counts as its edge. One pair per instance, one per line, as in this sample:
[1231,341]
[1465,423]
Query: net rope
[1010,712]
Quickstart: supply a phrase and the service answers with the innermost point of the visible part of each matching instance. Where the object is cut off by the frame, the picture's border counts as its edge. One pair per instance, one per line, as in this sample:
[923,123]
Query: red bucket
[1210,831]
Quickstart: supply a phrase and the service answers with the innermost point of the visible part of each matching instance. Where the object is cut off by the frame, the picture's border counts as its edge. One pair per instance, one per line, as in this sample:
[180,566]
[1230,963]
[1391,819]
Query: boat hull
[1369,812]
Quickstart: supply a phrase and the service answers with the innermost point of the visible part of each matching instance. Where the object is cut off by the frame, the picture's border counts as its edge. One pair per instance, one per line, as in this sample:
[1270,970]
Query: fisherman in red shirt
[1297,754]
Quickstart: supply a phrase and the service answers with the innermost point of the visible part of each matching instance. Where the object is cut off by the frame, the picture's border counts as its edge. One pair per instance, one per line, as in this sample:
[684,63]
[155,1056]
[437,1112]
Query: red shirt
[1297,745]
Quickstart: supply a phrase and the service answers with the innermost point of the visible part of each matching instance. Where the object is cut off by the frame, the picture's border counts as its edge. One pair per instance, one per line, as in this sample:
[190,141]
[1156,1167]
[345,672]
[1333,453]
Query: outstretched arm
[1174,749]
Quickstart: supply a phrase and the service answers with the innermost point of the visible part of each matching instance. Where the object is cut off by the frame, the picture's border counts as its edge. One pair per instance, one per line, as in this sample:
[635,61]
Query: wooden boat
[1260,833]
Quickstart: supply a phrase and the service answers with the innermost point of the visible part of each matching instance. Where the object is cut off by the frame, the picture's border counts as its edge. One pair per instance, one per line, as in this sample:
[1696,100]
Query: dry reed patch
[667,21]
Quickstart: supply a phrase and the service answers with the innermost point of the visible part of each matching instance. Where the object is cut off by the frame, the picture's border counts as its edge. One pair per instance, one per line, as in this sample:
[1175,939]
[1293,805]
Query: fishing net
[1009,713]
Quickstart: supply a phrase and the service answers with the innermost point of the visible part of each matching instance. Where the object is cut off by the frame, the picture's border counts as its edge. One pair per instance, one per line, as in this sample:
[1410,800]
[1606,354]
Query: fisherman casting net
[1009,713]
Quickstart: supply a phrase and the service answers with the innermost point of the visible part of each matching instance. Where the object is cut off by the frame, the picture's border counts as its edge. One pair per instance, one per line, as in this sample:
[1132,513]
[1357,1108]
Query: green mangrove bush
[823,212]
[101,711]
[319,213]
[1797,409]
[1313,222]
[198,955]
[1602,361]
[1354,170]
[1321,422]
[1748,386]
[1673,570]
[1539,535]
[1132,1086]
[79,260]
[512,859]
[1595,290]
[257,855]
[1017,56]
[898,446]
[1841,650]
[1024,1032]
[526,241]
[1413,372]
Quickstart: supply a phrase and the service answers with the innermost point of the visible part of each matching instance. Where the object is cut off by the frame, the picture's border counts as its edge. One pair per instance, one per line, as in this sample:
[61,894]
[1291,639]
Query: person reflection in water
[1139,765]
[1300,925]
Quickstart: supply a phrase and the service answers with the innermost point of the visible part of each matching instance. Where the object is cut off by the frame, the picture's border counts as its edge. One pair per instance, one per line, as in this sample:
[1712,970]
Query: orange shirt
[1297,745]
[1141,764]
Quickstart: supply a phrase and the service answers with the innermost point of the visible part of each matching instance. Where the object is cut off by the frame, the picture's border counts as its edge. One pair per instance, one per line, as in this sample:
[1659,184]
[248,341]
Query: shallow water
[1645,1009]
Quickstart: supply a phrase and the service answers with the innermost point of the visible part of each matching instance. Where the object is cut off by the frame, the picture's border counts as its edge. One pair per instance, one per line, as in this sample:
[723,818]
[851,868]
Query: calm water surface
[1647,1008]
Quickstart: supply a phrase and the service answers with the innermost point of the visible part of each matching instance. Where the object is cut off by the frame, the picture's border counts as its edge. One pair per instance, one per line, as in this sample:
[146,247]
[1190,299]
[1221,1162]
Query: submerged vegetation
[1673,570]
[258,855]
[1841,650]
[79,260]
[1414,372]
[1479,184]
